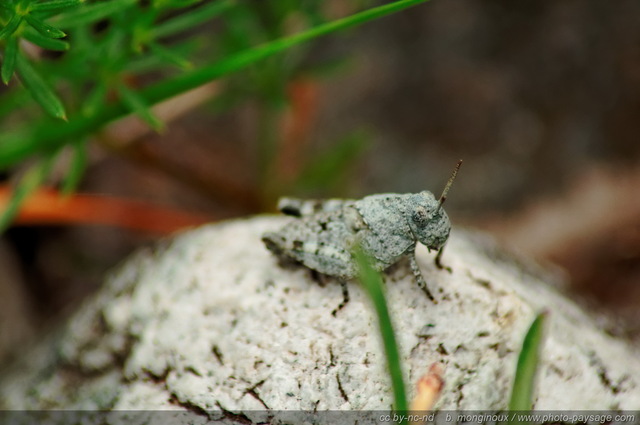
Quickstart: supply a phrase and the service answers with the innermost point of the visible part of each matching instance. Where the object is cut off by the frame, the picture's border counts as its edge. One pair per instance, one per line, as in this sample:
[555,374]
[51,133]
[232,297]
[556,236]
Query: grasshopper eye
[420,216]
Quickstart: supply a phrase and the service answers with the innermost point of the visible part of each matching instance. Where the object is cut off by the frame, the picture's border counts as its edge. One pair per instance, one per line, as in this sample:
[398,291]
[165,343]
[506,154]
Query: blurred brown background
[540,98]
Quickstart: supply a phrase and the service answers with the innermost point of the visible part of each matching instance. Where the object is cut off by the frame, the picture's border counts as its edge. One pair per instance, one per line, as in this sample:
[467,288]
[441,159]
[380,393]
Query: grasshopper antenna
[443,197]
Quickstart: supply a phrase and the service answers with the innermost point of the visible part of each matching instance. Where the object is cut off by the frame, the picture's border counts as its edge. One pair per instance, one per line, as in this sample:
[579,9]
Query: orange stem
[48,206]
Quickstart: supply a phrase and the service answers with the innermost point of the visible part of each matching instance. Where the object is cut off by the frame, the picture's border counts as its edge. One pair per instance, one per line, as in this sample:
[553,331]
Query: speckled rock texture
[209,322]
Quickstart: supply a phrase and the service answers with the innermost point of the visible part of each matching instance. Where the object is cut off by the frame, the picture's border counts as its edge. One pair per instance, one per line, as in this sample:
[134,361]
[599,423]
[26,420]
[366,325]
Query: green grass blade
[44,28]
[88,14]
[29,182]
[138,105]
[39,89]
[9,59]
[192,18]
[150,61]
[17,146]
[524,382]
[248,57]
[373,285]
[178,3]
[169,56]
[54,5]
[11,26]
[46,42]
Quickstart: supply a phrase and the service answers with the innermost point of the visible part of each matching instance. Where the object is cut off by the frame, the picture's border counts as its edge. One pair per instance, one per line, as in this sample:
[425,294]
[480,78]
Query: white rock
[211,321]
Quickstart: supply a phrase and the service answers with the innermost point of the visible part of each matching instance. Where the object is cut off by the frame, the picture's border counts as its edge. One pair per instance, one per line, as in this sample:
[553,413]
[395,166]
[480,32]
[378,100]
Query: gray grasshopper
[386,226]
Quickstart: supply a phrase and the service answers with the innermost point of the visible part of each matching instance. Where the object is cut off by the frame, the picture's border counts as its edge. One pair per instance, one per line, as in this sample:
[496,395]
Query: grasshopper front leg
[418,276]
[438,260]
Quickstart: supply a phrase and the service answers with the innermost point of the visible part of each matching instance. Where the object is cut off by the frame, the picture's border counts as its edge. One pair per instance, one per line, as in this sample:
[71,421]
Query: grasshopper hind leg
[305,207]
[276,244]
[345,296]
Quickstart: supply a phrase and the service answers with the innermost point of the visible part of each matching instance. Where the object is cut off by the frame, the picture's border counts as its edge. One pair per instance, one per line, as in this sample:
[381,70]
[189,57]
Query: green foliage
[9,60]
[91,62]
[138,105]
[39,89]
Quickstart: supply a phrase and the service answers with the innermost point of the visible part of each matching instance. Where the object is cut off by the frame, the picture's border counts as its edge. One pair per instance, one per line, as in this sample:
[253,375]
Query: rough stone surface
[209,321]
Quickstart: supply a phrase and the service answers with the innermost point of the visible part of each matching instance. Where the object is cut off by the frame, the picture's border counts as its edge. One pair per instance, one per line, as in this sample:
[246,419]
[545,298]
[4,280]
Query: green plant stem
[17,146]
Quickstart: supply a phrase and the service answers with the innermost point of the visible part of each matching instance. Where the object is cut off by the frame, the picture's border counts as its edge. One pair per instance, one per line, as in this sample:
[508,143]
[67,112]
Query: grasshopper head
[427,220]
